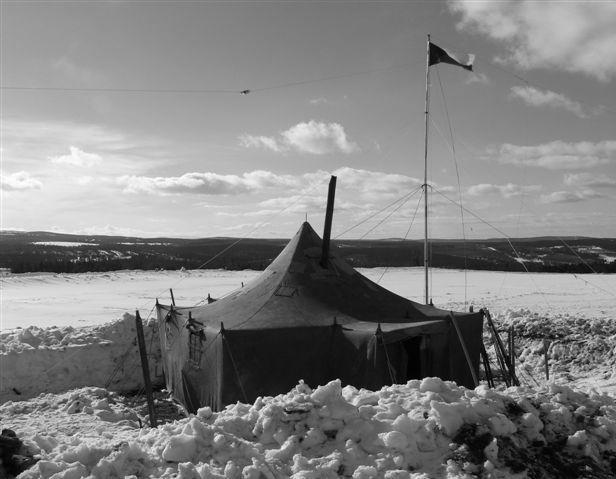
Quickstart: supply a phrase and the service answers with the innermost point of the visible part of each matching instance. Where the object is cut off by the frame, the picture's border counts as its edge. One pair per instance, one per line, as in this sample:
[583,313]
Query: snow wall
[51,360]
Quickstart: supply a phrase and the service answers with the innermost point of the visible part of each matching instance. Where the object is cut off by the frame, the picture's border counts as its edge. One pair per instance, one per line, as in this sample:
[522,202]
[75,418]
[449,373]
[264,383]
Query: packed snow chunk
[580,442]
[435,385]
[286,451]
[365,472]
[531,426]
[500,425]
[394,440]
[181,448]
[331,392]
[491,451]
[448,416]
[397,474]
[204,412]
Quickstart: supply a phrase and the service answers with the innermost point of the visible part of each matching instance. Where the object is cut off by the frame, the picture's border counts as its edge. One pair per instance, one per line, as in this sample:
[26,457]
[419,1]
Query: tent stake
[466,354]
[145,368]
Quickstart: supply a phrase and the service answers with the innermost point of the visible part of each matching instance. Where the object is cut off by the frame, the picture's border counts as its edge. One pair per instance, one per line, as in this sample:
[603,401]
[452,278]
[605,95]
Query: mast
[425,184]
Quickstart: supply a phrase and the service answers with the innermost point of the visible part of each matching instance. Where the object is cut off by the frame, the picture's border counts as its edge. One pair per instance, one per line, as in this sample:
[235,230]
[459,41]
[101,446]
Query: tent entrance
[412,364]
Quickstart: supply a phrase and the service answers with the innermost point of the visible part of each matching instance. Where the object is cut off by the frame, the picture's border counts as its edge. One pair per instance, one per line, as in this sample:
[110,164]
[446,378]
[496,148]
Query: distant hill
[66,253]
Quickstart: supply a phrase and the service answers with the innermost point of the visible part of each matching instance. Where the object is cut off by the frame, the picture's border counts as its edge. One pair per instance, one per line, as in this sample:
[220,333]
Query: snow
[36,360]
[426,428]
[327,432]
[66,244]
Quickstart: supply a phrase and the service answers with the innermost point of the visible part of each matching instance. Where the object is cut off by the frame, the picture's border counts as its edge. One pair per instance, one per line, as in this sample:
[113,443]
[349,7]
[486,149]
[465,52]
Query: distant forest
[23,252]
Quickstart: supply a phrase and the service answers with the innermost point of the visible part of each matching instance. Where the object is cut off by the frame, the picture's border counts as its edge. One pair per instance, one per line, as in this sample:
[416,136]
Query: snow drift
[36,360]
[423,429]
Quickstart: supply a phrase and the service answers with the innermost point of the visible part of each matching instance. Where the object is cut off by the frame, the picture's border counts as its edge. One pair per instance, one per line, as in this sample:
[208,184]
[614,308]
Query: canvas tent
[303,318]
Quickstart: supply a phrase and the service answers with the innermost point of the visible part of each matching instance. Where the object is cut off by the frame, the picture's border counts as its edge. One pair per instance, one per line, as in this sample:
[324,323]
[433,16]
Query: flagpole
[425,185]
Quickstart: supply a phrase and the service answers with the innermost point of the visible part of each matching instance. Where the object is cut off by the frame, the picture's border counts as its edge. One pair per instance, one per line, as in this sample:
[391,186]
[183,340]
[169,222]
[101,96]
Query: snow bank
[36,360]
[581,350]
[424,429]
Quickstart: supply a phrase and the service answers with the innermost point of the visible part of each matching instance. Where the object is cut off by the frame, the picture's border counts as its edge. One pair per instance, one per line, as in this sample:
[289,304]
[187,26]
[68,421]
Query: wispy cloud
[318,101]
[313,137]
[588,180]
[535,97]
[508,190]
[252,141]
[477,77]
[568,36]
[32,144]
[557,155]
[78,75]
[207,183]
[77,157]
[570,196]
[19,181]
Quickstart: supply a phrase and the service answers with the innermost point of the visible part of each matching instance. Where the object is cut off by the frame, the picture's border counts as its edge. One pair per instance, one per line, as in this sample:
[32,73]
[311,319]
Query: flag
[438,55]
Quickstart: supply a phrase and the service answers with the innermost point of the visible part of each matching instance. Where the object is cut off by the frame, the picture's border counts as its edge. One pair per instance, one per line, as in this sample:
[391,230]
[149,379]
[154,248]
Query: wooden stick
[486,366]
[172,298]
[499,345]
[146,369]
[546,346]
[512,348]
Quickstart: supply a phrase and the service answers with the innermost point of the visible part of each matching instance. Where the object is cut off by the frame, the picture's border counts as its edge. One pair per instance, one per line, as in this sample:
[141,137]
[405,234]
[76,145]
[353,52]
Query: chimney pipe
[329,213]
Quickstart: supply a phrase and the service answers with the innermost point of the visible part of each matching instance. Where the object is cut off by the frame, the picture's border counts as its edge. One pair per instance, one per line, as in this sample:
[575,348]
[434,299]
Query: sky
[127,118]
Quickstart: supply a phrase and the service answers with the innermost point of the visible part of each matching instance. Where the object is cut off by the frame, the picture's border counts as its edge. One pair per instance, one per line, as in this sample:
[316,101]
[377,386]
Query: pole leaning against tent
[145,368]
[425,185]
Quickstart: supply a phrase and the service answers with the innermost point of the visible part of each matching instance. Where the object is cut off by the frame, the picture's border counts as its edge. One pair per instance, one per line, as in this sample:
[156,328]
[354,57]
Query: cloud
[77,157]
[475,77]
[509,190]
[318,101]
[576,37]
[535,97]
[312,137]
[319,138]
[252,141]
[558,155]
[588,180]
[78,74]
[19,181]
[375,184]
[570,196]
[207,183]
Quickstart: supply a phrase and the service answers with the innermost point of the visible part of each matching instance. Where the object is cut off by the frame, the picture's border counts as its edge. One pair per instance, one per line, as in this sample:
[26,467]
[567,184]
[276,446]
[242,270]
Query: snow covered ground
[47,299]
[56,335]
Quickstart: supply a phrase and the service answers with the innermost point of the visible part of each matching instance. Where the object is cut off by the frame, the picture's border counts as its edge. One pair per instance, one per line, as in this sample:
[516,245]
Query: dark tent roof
[296,291]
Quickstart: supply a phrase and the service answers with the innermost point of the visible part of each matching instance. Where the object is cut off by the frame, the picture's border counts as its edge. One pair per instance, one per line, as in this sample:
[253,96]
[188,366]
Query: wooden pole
[145,368]
[425,185]
[498,344]
[172,298]
[464,349]
[546,346]
[329,213]
[486,366]
[512,348]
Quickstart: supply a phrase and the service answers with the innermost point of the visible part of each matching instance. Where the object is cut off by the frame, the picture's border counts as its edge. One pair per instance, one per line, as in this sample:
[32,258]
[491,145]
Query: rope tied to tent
[390,368]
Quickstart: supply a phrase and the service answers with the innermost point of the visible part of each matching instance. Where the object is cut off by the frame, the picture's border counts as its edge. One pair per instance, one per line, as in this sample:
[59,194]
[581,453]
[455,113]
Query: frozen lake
[47,299]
